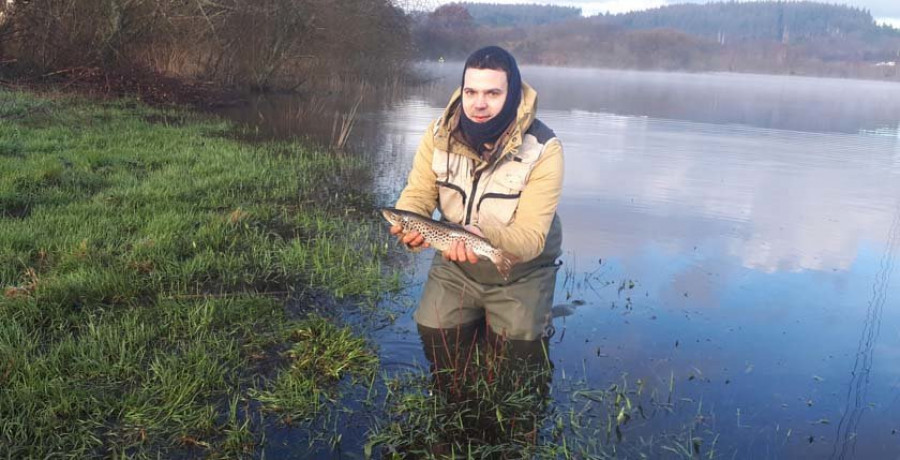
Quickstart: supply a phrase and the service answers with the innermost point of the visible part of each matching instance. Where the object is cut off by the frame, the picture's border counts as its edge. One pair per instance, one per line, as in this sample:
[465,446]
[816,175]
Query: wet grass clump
[486,405]
[320,355]
[499,408]
[144,268]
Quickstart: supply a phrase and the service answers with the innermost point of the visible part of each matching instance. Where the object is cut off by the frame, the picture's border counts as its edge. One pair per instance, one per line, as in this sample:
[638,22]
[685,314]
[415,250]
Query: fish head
[393,216]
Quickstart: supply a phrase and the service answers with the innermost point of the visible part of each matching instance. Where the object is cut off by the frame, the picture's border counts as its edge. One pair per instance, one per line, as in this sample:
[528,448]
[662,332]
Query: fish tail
[504,262]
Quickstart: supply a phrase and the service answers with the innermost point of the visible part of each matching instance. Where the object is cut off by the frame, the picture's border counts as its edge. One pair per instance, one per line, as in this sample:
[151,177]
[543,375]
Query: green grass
[500,408]
[321,354]
[145,259]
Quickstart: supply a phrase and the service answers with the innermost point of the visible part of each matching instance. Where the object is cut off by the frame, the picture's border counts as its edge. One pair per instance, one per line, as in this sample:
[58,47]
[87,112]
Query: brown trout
[440,234]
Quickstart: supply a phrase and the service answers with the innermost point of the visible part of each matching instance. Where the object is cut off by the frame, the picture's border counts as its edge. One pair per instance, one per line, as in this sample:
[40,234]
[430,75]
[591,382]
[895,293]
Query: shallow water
[735,235]
[759,220]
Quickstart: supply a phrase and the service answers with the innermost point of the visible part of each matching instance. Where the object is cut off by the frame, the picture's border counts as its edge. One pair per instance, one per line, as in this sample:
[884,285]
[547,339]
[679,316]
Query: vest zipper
[472,196]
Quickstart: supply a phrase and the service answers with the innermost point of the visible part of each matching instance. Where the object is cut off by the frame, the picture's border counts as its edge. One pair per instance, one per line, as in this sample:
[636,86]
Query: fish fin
[504,262]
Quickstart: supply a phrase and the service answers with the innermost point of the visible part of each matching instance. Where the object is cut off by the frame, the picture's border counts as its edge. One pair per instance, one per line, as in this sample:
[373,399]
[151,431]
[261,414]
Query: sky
[884,11]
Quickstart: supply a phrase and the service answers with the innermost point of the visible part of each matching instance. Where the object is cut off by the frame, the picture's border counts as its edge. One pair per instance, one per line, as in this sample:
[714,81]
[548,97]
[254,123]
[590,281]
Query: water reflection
[327,118]
[857,389]
[692,184]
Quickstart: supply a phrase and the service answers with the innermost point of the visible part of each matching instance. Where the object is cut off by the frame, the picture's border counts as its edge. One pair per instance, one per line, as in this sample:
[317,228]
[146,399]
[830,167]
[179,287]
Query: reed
[344,122]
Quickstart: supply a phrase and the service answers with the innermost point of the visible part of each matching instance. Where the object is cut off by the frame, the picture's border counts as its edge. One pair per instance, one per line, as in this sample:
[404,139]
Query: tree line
[506,15]
[745,21]
[773,37]
[285,43]
[254,43]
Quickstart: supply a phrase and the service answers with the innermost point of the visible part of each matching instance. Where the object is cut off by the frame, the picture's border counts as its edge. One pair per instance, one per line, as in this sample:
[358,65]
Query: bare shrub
[255,43]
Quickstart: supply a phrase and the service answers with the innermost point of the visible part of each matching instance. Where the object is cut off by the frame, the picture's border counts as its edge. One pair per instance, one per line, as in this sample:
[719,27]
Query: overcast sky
[882,10]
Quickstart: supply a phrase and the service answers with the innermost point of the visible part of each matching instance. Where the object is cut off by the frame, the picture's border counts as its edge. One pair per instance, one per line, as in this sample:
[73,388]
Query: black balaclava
[495,58]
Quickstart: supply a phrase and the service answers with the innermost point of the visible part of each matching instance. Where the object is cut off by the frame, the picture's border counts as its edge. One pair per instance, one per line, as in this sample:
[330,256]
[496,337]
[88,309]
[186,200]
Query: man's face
[484,93]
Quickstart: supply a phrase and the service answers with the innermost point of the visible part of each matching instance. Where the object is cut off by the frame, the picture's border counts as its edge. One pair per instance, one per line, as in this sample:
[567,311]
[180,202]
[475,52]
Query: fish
[440,234]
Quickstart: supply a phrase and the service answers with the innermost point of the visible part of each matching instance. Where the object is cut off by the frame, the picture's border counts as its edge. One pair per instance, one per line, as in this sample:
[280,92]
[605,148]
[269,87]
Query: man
[489,165]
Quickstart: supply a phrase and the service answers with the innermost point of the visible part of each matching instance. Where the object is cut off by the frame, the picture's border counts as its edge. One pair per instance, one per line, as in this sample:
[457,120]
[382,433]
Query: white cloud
[893,22]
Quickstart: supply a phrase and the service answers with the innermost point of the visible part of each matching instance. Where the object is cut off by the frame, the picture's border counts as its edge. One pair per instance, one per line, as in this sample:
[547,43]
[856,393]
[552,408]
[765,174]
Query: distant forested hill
[791,37]
[773,20]
[503,15]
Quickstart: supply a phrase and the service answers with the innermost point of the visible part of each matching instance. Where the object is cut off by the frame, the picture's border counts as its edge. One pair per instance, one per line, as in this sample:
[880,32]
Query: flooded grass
[320,355]
[145,267]
[499,421]
[504,404]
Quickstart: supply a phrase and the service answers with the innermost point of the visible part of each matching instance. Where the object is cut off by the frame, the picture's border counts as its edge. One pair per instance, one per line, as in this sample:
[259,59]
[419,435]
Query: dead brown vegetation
[268,44]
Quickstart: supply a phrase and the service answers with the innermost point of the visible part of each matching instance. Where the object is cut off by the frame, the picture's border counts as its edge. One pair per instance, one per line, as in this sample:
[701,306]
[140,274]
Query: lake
[728,238]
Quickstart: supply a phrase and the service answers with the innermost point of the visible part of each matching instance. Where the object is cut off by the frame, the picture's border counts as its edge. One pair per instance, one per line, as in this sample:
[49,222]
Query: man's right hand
[413,240]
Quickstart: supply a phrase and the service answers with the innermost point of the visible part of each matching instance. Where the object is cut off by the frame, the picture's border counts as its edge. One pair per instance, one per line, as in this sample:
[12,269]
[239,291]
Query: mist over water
[733,235]
[819,105]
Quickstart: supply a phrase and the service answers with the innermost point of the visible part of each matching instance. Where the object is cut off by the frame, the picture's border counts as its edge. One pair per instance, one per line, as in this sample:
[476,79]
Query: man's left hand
[458,251]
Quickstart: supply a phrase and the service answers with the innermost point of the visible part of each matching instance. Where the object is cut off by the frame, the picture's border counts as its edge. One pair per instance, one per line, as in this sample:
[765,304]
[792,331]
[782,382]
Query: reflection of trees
[857,388]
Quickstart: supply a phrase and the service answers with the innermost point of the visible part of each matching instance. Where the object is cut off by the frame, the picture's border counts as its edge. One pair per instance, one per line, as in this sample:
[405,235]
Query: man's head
[491,92]
[489,75]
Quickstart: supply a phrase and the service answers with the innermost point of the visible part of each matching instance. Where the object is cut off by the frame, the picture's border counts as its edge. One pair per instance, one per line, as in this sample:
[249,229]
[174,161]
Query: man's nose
[480,102]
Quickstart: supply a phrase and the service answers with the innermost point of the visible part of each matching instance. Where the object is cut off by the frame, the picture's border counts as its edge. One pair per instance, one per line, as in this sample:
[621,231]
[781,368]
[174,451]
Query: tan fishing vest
[490,194]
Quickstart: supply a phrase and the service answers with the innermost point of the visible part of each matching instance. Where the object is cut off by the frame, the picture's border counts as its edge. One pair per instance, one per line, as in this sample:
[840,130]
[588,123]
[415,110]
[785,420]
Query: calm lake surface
[732,237]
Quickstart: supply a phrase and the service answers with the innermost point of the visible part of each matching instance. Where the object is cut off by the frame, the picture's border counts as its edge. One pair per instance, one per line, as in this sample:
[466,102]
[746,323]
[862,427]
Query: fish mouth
[389,214]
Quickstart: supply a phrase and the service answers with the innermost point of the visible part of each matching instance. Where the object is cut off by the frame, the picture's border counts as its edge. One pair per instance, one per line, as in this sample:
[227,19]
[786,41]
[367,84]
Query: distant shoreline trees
[804,37]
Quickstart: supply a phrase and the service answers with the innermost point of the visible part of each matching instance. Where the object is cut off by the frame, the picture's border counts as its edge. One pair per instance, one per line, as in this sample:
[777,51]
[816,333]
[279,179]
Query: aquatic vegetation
[498,407]
[493,406]
[321,354]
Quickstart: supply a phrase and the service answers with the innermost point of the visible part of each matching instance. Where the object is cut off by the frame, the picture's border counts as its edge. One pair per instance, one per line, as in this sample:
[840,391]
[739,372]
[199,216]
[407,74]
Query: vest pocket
[497,206]
[451,201]
[451,196]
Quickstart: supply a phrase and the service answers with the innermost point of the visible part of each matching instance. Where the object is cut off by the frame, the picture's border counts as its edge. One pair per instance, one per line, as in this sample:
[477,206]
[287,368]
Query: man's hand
[458,251]
[413,240]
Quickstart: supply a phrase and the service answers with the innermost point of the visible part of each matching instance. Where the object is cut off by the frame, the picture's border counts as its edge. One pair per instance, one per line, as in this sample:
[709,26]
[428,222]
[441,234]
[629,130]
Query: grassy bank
[145,260]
